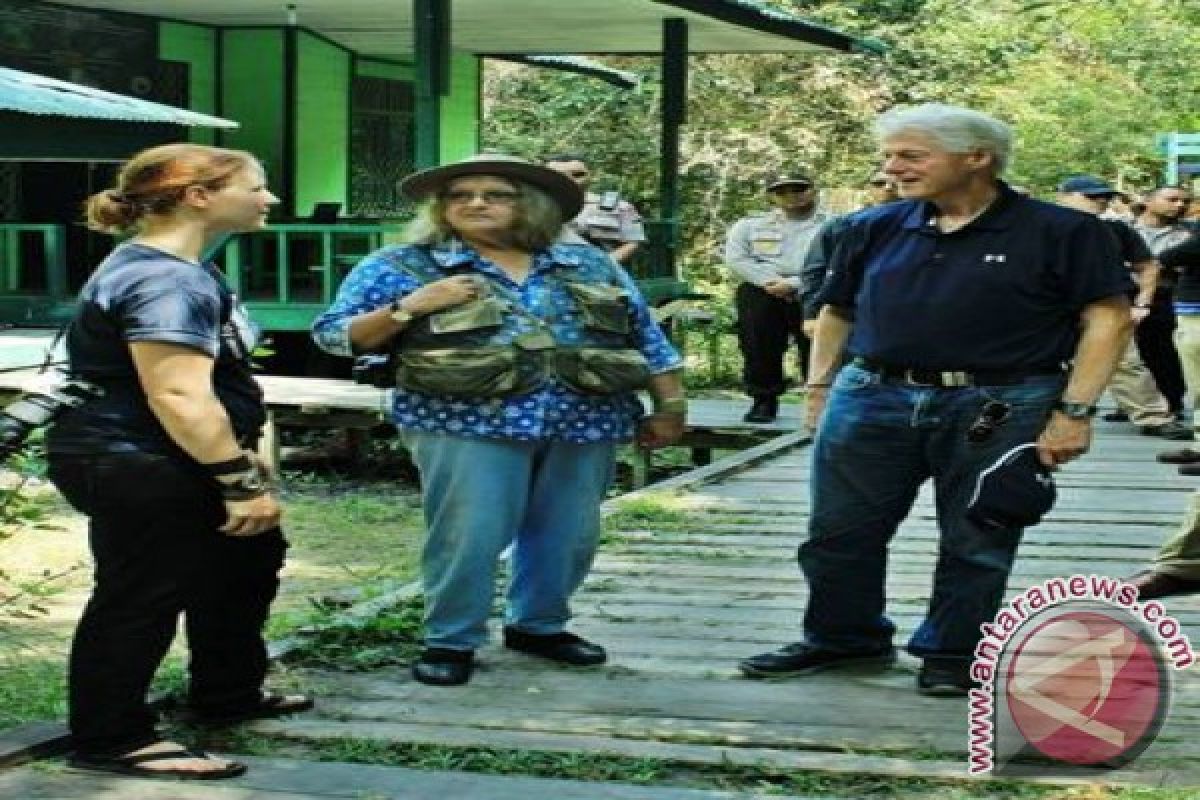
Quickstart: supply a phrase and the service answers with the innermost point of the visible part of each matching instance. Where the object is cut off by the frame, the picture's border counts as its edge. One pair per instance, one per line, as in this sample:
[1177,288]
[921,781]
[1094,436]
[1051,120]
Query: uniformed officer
[958,306]
[606,221]
[765,252]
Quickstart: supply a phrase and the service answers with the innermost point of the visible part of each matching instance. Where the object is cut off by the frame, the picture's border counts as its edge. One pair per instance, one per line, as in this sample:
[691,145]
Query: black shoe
[440,667]
[764,410]
[1151,585]
[563,647]
[1185,456]
[1115,416]
[942,677]
[801,659]
[1174,431]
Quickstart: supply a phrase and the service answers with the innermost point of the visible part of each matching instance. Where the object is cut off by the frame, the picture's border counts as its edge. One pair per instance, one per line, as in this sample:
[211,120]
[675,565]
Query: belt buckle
[945,380]
[910,377]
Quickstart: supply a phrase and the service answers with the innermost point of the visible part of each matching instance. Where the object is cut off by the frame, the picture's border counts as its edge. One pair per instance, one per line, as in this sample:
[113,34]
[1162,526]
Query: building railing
[33,259]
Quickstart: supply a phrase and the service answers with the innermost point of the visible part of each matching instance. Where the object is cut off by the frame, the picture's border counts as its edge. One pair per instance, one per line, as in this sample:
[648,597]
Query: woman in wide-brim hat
[485,311]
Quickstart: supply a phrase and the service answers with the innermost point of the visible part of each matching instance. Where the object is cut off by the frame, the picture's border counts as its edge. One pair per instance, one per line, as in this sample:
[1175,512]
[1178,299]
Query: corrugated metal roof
[36,94]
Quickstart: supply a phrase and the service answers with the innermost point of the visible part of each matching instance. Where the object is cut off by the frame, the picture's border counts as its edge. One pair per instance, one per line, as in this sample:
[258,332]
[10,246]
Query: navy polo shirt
[1002,293]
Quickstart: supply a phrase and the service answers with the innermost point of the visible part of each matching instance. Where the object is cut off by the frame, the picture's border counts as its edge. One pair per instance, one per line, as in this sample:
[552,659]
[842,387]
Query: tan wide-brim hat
[564,191]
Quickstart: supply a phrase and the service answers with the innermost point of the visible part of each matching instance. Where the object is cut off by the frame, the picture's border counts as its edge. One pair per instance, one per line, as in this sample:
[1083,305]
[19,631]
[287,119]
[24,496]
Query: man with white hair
[959,308]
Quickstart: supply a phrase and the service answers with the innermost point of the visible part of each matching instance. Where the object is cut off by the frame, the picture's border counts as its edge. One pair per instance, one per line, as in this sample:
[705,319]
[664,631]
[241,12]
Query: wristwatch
[1075,410]
[399,315]
[244,485]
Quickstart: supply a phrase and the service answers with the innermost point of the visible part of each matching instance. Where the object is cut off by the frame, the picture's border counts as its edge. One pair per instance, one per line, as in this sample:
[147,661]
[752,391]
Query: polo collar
[999,216]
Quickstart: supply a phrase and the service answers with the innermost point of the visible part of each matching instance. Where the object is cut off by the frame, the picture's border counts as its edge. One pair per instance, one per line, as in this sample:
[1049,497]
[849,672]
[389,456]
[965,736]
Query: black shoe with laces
[563,647]
[802,658]
[1151,585]
[441,667]
[764,410]
[944,677]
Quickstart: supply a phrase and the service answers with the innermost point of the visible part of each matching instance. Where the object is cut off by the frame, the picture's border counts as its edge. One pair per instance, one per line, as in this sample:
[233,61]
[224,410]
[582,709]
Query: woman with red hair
[181,517]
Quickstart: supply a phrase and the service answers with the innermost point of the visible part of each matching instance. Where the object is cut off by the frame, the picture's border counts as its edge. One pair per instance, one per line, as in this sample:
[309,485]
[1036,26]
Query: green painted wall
[252,95]
[460,110]
[197,46]
[322,122]
[382,69]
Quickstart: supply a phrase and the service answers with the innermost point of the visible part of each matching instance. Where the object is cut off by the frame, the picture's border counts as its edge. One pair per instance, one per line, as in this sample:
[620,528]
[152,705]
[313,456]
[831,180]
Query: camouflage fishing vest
[481,349]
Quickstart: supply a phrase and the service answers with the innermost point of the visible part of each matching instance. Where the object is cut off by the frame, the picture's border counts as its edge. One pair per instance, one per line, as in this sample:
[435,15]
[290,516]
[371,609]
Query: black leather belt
[949,379]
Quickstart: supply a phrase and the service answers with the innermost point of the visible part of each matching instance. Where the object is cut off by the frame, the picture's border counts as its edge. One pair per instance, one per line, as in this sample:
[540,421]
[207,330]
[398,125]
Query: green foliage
[1085,83]
[390,637]
[24,513]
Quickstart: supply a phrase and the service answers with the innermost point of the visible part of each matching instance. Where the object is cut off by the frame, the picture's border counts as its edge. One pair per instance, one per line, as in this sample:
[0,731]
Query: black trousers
[1155,336]
[766,326]
[158,554]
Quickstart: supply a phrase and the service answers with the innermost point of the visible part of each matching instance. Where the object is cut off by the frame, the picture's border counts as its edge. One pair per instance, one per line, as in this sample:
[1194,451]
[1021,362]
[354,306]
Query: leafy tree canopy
[1086,85]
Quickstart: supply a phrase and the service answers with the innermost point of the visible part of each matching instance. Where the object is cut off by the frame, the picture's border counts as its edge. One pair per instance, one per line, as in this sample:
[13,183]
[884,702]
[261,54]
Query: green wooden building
[339,98]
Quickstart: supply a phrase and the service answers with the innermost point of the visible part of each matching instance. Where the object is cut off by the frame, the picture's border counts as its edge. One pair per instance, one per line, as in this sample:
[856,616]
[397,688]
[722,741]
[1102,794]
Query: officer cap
[791,178]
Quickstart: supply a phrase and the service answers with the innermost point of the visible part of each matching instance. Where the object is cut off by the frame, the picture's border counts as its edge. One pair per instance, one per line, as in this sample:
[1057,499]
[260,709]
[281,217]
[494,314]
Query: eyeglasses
[792,188]
[991,416]
[493,197]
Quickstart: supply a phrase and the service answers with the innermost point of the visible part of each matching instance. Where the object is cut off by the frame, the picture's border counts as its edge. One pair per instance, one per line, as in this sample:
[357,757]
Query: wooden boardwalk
[678,605]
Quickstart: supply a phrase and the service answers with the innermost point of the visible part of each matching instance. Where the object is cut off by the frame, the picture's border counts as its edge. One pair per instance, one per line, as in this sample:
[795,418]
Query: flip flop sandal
[271,704]
[132,766]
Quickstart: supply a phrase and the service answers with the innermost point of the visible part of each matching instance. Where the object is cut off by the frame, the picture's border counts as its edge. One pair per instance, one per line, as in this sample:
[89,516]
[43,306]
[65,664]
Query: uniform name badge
[767,244]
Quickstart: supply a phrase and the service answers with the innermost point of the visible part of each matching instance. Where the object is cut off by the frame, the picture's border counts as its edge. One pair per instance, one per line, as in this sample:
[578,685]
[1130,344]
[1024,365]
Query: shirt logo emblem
[994,258]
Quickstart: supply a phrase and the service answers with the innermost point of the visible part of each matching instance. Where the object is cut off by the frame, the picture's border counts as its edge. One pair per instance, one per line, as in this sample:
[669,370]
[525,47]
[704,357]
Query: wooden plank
[286,779]
[32,740]
[1181,775]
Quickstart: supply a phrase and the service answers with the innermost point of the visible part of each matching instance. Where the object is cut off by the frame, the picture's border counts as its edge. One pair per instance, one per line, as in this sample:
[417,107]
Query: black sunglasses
[991,416]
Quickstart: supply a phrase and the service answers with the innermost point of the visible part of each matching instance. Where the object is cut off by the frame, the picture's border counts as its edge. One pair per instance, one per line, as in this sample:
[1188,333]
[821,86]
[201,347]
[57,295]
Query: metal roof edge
[576,64]
[760,17]
[31,93]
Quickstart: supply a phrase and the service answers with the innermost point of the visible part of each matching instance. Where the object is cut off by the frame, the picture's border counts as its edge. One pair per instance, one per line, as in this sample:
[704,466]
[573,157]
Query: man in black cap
[1133,387]
[765,252]
[958,307]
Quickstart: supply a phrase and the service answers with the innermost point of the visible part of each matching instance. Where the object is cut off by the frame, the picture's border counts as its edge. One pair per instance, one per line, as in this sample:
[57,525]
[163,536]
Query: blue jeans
[479,496]
[876,444]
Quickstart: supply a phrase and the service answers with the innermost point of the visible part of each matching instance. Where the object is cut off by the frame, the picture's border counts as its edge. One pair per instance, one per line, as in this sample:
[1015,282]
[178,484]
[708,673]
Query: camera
[375,370]
[39,406]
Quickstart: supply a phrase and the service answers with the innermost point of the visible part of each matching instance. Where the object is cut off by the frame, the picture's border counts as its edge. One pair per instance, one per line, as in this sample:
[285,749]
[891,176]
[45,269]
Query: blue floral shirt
[552,412]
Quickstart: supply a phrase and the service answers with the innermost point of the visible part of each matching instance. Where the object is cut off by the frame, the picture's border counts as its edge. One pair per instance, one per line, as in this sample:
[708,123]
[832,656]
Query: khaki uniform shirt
[768,246]
[607,224]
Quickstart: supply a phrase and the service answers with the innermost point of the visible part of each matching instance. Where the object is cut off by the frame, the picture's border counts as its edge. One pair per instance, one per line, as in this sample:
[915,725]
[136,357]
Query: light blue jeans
[479,496]
[876,444]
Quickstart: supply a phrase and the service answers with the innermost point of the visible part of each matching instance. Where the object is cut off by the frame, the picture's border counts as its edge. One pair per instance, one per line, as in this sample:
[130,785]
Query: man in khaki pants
[1185,259]
[1176,568]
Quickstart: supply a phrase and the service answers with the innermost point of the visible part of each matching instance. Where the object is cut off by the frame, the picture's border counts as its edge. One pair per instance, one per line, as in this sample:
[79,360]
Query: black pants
[766,326]
[1155,337]
[158,553]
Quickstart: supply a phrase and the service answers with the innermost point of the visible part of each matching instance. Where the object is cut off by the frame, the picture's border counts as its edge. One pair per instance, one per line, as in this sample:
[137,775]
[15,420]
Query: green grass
[662,772]
[31,689]
[365,538]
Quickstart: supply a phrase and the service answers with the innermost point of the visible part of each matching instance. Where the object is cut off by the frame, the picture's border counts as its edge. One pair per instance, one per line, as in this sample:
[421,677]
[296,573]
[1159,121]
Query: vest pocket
[603,308]
[463,372]
[487,312]
[595,370]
